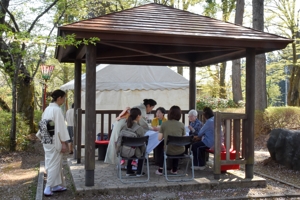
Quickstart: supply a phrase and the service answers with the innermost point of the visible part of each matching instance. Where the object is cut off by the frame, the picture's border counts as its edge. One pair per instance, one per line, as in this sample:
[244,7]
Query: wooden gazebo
[154,34]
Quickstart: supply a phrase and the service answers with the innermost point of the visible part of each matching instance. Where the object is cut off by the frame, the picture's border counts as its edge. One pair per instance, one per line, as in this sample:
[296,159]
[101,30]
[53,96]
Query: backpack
[126,151]
[46,128]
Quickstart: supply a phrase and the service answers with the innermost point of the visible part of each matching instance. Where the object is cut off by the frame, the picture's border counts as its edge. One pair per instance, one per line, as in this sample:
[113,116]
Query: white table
[153,140]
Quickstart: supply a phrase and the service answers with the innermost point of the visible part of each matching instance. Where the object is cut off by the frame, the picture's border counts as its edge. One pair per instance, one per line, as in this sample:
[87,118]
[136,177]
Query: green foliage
[70,40]
[23,131]
[217,103]
[276,117]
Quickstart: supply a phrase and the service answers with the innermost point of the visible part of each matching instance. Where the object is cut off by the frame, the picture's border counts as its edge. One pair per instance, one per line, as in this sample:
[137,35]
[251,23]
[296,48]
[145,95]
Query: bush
[22,133]
[276,117]
[218,103]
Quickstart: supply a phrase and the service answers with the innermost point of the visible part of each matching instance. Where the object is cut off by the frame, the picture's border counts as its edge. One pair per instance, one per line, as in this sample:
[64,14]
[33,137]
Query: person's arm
[203,129]
[123,114]
[197,127]
[64,147]
[61,130]
[160,136]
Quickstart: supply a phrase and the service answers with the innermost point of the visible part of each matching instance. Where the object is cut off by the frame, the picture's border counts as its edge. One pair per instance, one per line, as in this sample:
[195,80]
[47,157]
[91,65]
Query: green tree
[260,60]
[17,36]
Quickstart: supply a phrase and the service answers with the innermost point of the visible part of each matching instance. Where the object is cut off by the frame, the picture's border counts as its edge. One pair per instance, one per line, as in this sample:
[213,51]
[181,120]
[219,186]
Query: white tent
[119,86]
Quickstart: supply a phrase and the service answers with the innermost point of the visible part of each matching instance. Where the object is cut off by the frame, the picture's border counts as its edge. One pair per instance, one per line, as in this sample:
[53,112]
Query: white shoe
[199,167]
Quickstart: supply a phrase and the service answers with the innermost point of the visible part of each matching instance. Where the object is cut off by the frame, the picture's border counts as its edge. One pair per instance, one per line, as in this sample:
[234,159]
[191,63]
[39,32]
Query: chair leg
[190,159]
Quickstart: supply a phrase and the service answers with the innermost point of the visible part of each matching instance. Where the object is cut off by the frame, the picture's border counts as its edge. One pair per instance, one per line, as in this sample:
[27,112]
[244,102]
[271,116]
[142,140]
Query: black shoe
[142,174]
[130,173]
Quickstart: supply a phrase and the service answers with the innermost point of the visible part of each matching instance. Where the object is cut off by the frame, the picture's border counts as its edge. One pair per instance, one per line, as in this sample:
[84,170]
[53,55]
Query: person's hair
[193,113]
[134,113]
[161,109]
[174,113]
[150,102]
[72,105]
[57,93]
[207,112]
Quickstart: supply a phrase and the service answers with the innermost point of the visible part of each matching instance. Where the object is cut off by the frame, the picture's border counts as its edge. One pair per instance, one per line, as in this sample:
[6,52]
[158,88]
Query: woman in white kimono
[54,151]
[111,154]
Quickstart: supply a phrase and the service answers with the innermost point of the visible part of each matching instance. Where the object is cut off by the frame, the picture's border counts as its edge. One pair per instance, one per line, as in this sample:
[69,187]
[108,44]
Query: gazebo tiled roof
[154,34]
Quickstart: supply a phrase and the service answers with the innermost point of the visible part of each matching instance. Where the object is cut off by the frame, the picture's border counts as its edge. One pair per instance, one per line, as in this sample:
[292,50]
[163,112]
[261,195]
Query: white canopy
[134,77]
[120,86]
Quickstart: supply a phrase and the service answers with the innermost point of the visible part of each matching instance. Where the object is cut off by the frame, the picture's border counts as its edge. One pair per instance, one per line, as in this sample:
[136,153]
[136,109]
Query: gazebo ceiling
[154,34]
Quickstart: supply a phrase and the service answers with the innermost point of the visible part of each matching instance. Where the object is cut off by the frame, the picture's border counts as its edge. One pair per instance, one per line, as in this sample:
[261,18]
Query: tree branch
[40,15]
[4,105]
[11,16]
[46,46]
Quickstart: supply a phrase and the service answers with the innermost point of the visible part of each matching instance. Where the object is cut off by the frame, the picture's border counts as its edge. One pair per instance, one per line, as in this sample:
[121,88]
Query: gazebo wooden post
[90,115]
[250,111]
[192,88]
[77,104]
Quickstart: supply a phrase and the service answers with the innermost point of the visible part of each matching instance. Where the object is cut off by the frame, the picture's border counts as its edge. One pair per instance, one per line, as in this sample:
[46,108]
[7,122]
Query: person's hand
[196,138]
[64,147]
[155,128]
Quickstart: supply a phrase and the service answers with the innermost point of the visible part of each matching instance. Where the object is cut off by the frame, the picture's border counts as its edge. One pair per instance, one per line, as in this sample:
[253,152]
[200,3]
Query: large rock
[284,147]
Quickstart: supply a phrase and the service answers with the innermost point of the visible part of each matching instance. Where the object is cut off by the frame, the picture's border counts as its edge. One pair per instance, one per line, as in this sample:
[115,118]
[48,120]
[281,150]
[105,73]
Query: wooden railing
[233,130]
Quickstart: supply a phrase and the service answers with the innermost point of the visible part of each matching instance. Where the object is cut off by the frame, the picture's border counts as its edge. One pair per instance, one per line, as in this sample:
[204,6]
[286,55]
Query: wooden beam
[193,87]
[77,104]
[90,115]
[250,111]
[146,52]
[81,52]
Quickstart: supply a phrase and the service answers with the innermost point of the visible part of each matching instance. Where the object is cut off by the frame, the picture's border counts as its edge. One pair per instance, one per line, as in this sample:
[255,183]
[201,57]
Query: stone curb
[40,186]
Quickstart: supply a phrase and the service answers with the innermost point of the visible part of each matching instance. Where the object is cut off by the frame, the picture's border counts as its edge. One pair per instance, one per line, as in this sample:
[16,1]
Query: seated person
[159,119]
[132,123]
[156,123]
[205,139]
[175,128]
[111,155]
[195,123]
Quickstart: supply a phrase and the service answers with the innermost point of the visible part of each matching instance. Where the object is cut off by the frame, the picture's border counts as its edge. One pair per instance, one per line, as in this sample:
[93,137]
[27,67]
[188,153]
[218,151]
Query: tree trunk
[260,60]
[180,70]
[222,81]
[25,101]
[293,94]
[236,64]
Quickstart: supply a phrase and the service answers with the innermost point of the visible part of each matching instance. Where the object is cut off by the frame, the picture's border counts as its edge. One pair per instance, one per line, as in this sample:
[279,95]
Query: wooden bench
[224,168]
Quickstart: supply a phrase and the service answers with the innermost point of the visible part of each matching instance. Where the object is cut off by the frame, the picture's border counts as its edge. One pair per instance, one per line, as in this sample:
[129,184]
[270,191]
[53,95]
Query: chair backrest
[180,140]
[134,141]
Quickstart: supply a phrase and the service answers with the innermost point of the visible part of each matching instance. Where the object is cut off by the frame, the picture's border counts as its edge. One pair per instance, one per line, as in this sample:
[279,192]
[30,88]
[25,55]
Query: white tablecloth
[153,140]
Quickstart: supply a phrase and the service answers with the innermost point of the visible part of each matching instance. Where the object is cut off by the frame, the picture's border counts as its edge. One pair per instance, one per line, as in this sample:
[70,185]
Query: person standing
[145,108]
[111,154]
[70,123]
[55,145]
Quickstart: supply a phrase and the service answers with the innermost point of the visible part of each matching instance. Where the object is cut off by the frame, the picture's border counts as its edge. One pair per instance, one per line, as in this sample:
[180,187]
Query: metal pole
[45,95]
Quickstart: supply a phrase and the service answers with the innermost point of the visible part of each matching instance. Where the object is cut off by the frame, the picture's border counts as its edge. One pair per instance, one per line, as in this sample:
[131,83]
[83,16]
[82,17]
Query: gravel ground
[18,180]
